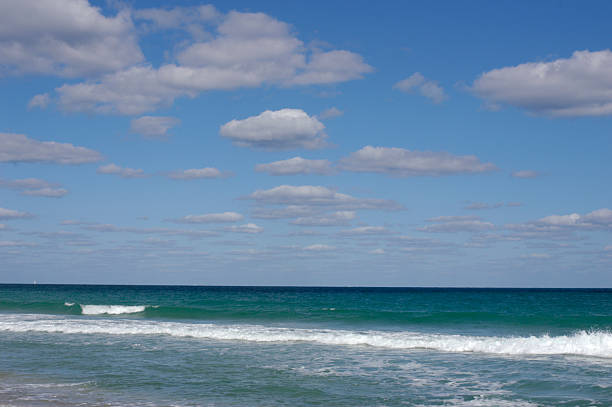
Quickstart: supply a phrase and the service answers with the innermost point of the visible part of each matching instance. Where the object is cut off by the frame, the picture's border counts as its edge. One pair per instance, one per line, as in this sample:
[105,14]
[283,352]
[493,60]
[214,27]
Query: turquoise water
[247,346]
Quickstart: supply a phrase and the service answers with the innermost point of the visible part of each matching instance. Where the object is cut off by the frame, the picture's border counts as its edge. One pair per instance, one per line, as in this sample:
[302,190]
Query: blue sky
[402,144]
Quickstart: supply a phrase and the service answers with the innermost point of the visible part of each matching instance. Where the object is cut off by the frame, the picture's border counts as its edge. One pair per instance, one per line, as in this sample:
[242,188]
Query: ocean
[91,345]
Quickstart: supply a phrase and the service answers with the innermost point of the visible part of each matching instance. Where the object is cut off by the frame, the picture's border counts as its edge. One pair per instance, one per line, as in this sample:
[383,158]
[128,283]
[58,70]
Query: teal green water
[267,346]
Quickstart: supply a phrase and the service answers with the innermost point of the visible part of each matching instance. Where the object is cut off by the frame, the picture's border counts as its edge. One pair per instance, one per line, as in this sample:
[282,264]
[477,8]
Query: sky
[434,143]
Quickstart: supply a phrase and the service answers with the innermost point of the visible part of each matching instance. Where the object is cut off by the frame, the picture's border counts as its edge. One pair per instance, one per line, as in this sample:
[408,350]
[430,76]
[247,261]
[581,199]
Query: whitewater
[160,346]
[598,344]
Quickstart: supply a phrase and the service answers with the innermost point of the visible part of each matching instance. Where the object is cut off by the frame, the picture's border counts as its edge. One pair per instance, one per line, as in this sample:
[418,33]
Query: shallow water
[232,346]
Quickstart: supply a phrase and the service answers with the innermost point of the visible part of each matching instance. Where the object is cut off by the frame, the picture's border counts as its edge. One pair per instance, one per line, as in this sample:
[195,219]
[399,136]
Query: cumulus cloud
[109,228]
[15,148]
[430,89]
[330,113]
[318,196]
[34,187]
[64,37]
[474,206]
[224,217]
[366,230]
[296,165]
[41,101]
[198,173]
[123,172]
[153,126]
[6,214]
[338,218]
[319,248]
[247,50]
[525,174]
[249,228]
[577,86]
[598,219]
[400,162]
[277,130]
[452,224]
[189,19]
[46,192]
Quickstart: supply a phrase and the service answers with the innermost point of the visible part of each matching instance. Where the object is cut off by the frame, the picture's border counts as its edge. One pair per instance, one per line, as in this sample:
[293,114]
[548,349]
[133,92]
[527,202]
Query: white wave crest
[68,304]
[597,344]
[111,309]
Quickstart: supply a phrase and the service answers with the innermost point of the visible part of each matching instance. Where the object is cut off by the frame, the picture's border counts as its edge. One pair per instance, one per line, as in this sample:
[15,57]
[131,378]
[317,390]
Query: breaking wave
[597,343]
[111,309]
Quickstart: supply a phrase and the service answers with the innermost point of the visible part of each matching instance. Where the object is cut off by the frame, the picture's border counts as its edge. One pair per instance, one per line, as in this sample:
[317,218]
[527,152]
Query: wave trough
[598,344]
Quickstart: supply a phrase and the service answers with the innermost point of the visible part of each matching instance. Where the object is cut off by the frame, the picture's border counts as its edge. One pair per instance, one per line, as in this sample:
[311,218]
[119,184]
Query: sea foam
[583,343]
[111,309]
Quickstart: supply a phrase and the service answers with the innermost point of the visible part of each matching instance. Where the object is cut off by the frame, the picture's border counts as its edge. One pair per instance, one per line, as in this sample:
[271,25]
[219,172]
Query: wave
[598,344]
[111,309]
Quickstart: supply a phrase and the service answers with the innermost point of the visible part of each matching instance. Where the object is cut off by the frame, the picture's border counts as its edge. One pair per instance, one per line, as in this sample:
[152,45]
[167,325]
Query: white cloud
[400,162]
[452,224]
[198,173]
[332,67]
[187,18]
[123,172]
[319,248]
[64,37]
[248,50]
[41,101]
[19,148]
[249,228]
[525,174]
[338,218]
[330,113]
[318,196]
[430,89]
[296,165]
[366,230]
[577,86]
[46,192]
[377,251]
[290,211]
[224,217]
[34,187]
[277,130]
[600,218]
[483,205]
[6,214]
[153,126]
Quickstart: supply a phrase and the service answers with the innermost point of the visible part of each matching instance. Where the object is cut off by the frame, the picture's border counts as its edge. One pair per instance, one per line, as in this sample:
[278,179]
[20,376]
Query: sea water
[78,345]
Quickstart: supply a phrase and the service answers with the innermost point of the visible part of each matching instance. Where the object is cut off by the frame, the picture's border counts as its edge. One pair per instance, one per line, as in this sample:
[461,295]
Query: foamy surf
[111,309]
[598,344]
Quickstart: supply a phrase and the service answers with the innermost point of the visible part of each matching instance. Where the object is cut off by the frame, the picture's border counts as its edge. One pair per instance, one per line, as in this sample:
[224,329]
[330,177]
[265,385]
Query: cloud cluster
[197,173]
[247,50]
[6,214]
[123,172]
[400,162]
[34,187]
[318,196]
[15,148]
[429,89]
[276,130]
[309,205]
[64,37]
[577,86]
[296,165]
[452,224]
[153,126]
[224,217]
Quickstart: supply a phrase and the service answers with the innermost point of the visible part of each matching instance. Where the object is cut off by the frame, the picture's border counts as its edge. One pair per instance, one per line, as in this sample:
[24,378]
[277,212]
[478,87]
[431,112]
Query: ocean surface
[79,345]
